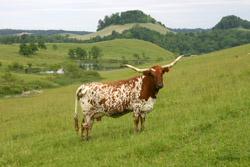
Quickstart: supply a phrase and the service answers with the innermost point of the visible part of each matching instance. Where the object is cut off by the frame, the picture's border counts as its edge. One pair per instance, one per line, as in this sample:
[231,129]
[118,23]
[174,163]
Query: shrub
[15,66]
[41,45]
[25,49]
[12,84]
[71,70]
[54,47]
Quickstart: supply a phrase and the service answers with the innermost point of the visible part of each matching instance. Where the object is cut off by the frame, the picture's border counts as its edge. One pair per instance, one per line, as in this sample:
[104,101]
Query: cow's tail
[76,116]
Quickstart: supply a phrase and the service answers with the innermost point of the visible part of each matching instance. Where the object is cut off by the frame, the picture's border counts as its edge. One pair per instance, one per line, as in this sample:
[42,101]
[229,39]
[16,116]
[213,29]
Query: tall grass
[201,118]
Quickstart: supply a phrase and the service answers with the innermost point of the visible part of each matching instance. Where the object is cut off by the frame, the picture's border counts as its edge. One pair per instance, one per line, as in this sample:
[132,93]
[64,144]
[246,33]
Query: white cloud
[80,14]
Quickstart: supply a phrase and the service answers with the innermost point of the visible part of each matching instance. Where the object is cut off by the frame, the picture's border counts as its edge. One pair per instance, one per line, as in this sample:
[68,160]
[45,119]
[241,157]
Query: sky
[83,15]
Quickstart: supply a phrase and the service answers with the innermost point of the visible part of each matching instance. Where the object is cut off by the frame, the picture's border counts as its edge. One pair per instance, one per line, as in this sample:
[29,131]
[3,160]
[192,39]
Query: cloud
[86,13]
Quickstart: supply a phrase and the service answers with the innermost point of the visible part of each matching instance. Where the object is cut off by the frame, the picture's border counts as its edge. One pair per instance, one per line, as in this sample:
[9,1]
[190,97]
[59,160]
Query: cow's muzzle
[159,86]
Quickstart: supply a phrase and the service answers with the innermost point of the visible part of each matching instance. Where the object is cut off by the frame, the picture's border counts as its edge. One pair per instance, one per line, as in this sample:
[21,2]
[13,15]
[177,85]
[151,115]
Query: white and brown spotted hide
[113,99]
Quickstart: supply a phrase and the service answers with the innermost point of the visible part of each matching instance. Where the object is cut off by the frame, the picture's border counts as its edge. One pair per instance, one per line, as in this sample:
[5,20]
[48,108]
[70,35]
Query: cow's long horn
[137,69]
[173,63]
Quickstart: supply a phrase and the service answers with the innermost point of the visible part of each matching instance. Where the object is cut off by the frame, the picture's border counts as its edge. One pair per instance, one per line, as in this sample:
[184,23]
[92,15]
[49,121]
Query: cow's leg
[136,117]
[83,126]
[136,121]
[142,118]
[90,124]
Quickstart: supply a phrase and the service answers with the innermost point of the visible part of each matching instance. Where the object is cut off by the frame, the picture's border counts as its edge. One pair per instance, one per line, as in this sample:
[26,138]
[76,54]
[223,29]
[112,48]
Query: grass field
[114,49]
[120,28]
[201,118]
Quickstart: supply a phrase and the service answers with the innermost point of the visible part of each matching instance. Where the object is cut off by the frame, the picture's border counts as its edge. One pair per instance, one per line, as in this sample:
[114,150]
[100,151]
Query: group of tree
[81,54]
[224,35]
[232,21]
[133,16]
[10,32]
[31,48]
[31,38]
[188,43]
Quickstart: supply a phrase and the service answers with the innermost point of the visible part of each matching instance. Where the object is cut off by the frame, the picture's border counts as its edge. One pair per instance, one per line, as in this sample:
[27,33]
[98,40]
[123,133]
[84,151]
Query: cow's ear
[165,70]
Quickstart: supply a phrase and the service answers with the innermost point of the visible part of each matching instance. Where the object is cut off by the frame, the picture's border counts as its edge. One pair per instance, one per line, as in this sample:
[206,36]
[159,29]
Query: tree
[29,64]
[54,47]
[137,58]
[54,67]
[71,53]
[81,53]
[95,52]
[124,61]
[25,49]
[33,47]
[42,45]
[71,70]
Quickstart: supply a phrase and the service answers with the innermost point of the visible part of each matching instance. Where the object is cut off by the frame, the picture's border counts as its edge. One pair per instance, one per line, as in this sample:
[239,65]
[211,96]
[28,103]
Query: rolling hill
[230,22]
[10,32]
[114,49]
[19,72]
[200,118]
[120,28]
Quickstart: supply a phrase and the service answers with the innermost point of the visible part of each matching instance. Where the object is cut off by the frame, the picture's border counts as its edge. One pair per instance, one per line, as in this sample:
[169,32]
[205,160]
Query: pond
[92,66]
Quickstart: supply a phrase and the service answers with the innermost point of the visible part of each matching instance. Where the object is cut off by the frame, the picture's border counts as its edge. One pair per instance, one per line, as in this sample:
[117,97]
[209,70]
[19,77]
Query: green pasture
[114,49]
[201,118]
[120,28]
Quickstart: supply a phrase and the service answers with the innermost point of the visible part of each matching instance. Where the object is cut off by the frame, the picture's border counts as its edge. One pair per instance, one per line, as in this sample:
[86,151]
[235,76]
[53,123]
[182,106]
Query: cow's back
[113,98]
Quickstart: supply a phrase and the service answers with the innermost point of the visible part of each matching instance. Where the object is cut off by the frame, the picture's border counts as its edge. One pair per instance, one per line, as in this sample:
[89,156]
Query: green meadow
[120,28]
[114,49]
[201,118]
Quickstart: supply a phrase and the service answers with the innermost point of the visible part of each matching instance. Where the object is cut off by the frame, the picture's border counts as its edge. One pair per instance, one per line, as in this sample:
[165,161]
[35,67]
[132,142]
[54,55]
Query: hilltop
[119,22]
[229,22]
[120,29]
[132,16]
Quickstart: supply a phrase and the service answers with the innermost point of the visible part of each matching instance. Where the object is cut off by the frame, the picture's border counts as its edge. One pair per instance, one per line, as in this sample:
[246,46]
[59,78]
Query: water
[92,66]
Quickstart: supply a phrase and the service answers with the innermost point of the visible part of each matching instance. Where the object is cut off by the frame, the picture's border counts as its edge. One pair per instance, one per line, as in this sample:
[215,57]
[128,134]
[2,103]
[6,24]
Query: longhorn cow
[114,99]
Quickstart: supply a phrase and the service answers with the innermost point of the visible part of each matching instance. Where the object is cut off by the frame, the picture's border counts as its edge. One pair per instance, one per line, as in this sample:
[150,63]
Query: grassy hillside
[120,28]
[114,49]
[201,118]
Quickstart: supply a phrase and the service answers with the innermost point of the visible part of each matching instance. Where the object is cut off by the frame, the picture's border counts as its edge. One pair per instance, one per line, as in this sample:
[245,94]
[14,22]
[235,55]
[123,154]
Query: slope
[114,49]
[120,28]
[200,118]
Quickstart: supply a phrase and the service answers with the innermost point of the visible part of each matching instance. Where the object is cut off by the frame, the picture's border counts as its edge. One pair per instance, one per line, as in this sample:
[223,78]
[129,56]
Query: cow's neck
[148,88]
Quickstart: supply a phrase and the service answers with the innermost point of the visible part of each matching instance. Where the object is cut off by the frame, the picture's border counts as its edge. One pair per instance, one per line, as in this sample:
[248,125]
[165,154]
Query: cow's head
[156,72]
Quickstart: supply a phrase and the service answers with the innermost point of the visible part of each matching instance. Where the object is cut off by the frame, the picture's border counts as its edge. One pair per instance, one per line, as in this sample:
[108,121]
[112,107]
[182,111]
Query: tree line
[8,32]
[81,54]
[31,38]
[188,43]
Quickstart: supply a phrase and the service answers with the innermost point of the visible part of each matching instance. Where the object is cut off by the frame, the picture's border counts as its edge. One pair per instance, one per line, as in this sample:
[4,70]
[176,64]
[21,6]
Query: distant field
[114,49]
[242,29]
[201,118]
[120,28]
